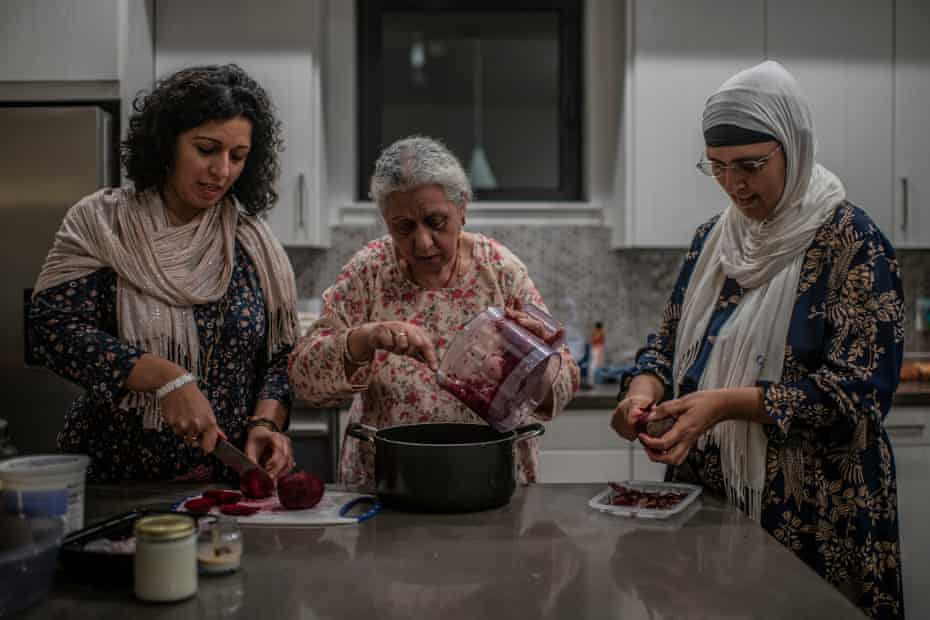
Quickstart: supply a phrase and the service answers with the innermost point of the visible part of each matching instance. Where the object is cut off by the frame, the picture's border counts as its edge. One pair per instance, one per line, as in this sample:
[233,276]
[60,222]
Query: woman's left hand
[270,449]
[694,413]
[527,322]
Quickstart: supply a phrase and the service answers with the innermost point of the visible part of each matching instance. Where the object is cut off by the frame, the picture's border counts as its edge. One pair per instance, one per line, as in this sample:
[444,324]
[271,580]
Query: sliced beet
[238,510]
[299,490]
[223,496]
[199,505]
[254,485]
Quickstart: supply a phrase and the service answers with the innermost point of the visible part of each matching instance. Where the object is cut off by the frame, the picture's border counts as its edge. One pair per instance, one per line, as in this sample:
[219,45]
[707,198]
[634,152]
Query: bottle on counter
[7,449]
[165,561]
[597,350]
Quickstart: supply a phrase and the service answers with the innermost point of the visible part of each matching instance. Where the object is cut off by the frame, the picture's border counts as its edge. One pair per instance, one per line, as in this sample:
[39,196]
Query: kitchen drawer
[908,426]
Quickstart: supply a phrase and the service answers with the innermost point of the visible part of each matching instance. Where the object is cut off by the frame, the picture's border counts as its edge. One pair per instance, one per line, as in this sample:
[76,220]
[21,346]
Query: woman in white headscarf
[781,347]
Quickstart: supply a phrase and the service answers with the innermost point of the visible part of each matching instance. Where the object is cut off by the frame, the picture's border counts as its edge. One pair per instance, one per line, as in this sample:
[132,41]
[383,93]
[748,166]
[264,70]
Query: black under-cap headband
[731,135]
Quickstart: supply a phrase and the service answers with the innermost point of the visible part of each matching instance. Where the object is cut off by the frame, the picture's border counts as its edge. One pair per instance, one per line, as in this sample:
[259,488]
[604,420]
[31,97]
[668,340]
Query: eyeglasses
[748,167]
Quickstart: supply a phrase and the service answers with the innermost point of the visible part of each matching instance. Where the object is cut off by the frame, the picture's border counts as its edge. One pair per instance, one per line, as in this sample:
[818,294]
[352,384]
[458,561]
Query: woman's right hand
[188,413]
[628,412]
[398,337]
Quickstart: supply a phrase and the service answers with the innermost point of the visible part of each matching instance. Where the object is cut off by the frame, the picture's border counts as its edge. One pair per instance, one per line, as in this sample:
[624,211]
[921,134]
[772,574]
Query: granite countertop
[545,555]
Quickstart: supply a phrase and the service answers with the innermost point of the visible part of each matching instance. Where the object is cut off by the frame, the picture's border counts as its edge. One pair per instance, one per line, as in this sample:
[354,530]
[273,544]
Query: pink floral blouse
[396,389]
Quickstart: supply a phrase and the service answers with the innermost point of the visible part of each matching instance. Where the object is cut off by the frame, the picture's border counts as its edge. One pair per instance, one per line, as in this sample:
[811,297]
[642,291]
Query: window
[499,82]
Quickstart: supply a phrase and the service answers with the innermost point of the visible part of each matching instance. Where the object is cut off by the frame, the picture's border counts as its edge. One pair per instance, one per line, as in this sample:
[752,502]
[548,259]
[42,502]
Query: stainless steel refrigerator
[50,157]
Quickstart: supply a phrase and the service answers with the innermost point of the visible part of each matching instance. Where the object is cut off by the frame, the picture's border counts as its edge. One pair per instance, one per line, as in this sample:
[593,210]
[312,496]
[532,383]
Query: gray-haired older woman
[399,301]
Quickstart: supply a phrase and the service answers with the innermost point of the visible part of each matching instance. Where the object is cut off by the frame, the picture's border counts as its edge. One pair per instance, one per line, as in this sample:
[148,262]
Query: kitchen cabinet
[912,124]
[678,53]
[909,431]
[841,53]
[59,40]
[61,50]
[579,446]
[279,43]
[864,67]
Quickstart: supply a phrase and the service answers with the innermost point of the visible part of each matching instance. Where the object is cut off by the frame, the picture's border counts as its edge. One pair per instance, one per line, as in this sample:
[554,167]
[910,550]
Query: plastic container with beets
[500,370]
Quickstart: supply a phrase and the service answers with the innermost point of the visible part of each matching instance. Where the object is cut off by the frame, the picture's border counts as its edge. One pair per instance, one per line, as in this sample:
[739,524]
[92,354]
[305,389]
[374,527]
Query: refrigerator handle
[301,192]
[905,207]
[105,154]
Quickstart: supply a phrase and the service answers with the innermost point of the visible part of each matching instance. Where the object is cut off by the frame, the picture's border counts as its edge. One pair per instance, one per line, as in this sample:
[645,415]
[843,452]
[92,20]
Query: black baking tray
[97,566]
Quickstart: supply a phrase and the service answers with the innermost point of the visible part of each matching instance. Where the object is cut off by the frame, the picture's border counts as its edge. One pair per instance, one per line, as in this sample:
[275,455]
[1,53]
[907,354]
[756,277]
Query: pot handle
[527,431]
[362,431]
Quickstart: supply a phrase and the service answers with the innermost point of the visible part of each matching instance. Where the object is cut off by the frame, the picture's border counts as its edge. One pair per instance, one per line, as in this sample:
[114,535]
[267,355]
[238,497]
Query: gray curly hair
[416,161]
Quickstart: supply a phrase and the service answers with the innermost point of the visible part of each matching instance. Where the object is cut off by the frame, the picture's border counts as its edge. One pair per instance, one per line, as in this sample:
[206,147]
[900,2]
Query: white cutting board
[324,513]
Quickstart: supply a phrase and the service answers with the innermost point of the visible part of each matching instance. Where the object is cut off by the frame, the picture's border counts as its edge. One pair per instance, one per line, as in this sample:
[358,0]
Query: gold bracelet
[348,355]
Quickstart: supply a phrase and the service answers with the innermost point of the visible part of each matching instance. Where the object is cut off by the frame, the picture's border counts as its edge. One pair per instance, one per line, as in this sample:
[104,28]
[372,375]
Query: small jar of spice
[219,546]
[165,561]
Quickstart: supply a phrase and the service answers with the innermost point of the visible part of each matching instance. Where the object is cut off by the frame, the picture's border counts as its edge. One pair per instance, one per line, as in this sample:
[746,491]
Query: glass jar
[219,546]
[165,561]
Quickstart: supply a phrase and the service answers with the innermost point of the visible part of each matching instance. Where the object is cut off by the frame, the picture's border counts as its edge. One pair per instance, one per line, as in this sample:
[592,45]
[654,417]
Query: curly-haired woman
[169,300]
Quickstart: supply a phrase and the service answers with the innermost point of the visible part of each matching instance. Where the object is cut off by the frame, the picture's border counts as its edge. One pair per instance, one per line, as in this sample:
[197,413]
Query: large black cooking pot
[444,467]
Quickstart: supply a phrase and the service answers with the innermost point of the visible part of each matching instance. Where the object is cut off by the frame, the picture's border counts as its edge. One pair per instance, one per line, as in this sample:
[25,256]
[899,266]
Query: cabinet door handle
[301,193]
[905,430]
[905,206]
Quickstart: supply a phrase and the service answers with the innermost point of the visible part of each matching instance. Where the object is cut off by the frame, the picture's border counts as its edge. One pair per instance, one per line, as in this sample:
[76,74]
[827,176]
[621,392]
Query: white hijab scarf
[764,258]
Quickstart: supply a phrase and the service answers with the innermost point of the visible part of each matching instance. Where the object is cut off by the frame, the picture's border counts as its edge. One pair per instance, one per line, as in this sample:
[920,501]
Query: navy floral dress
[72,331]
[830,494]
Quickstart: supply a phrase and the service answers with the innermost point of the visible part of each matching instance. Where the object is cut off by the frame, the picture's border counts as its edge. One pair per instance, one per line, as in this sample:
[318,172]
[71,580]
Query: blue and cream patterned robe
[72,331]
[830,494]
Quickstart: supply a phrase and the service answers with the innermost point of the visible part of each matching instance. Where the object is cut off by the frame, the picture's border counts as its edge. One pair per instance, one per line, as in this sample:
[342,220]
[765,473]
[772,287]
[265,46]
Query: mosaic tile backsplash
[582,280]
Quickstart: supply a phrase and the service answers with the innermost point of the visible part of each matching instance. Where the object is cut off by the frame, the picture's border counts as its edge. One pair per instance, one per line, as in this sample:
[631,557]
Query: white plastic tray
[601,501]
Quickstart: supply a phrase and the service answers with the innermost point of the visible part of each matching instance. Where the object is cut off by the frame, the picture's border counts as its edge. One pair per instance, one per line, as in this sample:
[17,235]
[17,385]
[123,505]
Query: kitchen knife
[236,459]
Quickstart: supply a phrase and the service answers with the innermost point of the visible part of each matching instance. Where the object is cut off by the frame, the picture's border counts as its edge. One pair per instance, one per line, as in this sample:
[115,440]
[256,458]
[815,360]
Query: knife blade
[236,459]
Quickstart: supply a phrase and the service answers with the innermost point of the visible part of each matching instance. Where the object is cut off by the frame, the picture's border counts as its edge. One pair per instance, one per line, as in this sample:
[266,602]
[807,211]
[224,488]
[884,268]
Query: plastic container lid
[35,469]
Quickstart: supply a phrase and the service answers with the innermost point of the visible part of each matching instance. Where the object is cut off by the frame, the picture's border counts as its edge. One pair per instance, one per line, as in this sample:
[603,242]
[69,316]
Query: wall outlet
[922,316]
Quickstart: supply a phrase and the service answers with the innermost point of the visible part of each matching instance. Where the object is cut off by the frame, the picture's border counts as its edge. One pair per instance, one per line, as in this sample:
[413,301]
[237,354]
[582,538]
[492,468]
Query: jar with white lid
[166,558]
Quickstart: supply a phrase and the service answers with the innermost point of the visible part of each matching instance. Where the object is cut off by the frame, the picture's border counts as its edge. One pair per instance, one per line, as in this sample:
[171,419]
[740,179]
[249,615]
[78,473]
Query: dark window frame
[371,96]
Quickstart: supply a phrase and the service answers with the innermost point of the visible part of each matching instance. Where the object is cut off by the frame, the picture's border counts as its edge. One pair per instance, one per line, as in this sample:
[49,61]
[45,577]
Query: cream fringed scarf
[765,258]
[164,271]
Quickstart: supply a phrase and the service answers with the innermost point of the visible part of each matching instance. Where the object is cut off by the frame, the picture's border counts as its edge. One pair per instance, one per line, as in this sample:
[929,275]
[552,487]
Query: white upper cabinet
[279,43]
[841,52]
[679,52]
[59,40]
[864,65]
[911,180]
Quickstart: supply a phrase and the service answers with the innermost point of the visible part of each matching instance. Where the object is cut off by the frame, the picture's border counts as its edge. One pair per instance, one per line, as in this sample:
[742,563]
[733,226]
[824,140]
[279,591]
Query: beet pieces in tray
[658,500]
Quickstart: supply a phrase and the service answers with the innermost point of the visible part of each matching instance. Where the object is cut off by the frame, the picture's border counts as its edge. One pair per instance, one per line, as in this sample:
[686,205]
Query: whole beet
[654,428]
[256,486]
[657,428]
[299,490]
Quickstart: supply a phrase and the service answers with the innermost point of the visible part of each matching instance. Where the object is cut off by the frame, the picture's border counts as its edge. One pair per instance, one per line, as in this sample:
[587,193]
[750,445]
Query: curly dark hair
[190,98]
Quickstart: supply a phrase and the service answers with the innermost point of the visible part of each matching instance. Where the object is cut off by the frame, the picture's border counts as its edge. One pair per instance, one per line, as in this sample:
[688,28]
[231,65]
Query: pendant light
[479,170]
